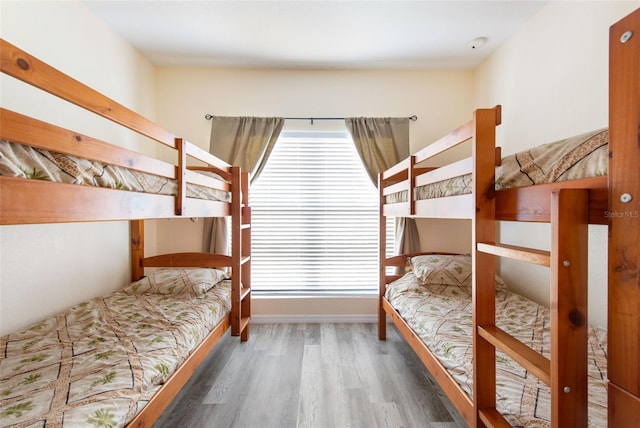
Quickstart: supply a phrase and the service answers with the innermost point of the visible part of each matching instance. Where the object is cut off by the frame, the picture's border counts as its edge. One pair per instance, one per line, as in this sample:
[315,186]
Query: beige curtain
[246,142]
[376,140]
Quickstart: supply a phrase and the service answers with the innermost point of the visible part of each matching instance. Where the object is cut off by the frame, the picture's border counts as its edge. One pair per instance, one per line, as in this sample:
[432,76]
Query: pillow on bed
[443,269]
[177,281]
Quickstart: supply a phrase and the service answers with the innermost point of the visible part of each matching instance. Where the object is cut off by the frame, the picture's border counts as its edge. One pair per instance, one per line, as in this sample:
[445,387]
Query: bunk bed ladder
[566,371]
[241,255]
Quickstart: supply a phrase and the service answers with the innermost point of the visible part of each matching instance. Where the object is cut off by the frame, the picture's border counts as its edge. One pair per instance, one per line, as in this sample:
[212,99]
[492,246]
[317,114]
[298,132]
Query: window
[315,218]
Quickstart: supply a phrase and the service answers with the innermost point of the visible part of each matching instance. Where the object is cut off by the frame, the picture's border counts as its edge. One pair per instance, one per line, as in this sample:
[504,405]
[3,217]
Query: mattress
[435,300]
[17,160]
[99,362]
[582,156]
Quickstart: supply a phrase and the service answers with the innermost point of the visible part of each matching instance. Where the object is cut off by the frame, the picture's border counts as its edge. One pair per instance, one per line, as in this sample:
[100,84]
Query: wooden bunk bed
[208,188]
[569,207]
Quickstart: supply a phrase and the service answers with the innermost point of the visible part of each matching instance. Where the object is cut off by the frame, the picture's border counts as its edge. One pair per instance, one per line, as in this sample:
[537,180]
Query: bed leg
[382,323]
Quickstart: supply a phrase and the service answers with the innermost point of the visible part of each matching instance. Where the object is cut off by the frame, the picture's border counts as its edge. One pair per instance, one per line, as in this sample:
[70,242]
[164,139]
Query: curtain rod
[311,119]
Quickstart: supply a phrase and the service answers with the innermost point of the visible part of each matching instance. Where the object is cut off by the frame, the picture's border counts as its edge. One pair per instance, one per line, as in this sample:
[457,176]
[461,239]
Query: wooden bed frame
[569,207]
[25,201]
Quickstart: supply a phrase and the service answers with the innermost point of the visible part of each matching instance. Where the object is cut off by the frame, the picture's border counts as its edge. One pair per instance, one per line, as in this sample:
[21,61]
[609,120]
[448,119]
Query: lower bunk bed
[432,307]
[563,184]
[106,361]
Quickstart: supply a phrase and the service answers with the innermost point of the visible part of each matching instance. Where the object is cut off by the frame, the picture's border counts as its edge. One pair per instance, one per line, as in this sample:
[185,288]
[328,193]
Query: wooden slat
[398,171]
[492,418]
[529,255]
[236,251]
[205,260]
[452,139]
[19,64]
[181,175]
[623,369]
[458,136]
[206,181]
[136,228]
[226,175]
[397,187]
[452,170]
[531,360]
[568,308]
[26,130]
[36,201]
[532,203]
[196,152]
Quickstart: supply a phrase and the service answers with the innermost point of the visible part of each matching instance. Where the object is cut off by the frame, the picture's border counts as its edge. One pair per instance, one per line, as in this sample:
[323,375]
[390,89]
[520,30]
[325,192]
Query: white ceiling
[382,34]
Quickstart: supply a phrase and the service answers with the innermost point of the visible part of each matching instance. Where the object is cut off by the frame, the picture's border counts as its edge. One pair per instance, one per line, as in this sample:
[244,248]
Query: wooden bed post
[382,255]
[568,307]
[181,175]
[245,238]
[136,228]
[240,256]
[484,231]
[624,215]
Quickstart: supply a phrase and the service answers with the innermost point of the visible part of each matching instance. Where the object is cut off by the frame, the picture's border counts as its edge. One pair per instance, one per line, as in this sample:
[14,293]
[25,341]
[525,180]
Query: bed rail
[399,181]
[49,202]
[624,216]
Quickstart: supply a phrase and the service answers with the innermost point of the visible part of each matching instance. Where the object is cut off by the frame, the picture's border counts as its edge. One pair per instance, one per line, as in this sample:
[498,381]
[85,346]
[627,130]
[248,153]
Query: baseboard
[314,319]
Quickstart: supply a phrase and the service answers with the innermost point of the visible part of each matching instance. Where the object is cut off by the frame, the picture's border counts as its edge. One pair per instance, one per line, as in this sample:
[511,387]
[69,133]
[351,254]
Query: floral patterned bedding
[17,160]
[99,362]
[435,300]
[582,156]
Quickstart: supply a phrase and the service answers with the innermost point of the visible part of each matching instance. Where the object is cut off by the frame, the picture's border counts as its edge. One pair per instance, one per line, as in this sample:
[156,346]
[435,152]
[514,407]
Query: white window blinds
[315,218]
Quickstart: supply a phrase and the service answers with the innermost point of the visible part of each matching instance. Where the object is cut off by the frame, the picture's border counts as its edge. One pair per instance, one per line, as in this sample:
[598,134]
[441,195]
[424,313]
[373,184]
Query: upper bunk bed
[487,330]
[132,192]
[520,187]
[606,197]
[173,314]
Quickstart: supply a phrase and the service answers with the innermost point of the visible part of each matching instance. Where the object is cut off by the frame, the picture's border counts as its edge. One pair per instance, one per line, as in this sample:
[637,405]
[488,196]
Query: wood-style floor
[311,375]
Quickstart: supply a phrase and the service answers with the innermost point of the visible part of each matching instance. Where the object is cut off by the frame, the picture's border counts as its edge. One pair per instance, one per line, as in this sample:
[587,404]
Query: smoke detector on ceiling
[477,43]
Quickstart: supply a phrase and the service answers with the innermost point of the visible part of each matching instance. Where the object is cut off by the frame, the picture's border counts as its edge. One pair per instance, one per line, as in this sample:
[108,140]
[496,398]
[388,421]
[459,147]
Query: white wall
[551,79]
[440,99]
[46,268]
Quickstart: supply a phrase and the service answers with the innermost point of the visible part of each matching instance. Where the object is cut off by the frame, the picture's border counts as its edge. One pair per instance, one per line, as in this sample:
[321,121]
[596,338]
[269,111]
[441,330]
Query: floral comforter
[17,160]
[582,156]
[99,362]
[438,308]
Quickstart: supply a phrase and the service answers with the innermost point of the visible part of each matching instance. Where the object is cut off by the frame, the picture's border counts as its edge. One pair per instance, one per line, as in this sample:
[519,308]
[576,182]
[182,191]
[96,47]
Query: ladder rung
[530,255]
[535,363]
[245,226]
[492,418]
[245,259]
[244,292]
[244,323]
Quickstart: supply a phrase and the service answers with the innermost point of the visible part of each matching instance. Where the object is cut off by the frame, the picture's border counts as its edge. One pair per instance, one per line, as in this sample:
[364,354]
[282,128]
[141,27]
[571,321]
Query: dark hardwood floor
[311,375]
